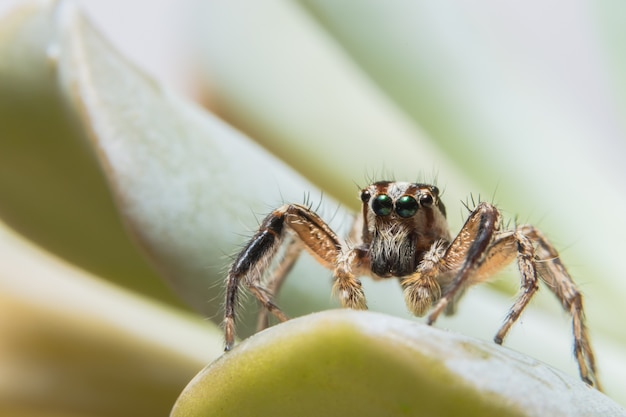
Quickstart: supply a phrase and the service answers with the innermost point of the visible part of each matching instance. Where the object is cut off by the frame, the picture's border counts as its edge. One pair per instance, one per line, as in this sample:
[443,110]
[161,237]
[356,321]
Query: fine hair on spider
[402,233]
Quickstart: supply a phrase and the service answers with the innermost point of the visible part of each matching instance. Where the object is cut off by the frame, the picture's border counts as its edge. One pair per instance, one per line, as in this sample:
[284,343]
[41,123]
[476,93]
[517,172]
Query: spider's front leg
[346,285]
[465,254]
[254,260]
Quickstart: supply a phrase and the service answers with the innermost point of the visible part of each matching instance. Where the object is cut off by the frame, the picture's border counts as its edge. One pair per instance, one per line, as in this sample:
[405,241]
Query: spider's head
[401,221]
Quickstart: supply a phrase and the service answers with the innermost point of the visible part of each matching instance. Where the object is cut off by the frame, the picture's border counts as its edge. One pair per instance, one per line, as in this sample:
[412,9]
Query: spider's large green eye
[382,205]
[406,206]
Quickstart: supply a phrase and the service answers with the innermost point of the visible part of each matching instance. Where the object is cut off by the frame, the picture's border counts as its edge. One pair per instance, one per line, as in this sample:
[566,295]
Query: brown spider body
[403,233]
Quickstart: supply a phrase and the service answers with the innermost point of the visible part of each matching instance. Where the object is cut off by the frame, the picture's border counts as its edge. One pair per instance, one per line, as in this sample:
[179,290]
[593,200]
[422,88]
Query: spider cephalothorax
[402,233]
[401,221]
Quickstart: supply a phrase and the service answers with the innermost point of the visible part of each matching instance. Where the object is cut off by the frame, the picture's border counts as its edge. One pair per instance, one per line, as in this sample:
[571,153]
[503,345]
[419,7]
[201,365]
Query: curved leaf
[51,188]
[348,363]
[76,345]
[307,102]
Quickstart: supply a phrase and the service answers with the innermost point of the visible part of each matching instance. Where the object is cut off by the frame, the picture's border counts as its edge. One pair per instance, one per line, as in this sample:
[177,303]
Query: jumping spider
[403,233]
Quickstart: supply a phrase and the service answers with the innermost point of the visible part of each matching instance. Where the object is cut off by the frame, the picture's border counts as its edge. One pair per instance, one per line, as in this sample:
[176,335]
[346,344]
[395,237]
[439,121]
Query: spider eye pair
[406,206]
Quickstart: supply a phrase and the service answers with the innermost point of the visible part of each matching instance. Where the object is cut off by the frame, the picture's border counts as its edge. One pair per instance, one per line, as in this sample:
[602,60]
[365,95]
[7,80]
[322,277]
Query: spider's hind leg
[554,274]
[249,268]
[452,304]
[309,231]
[279,275]
[538,260]
[519,243]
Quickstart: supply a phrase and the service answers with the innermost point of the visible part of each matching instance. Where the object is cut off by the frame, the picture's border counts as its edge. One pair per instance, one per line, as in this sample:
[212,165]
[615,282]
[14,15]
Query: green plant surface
[348,363]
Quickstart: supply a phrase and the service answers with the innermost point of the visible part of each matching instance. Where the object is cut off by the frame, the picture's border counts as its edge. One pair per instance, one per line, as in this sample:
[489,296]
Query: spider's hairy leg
[537,260]
[346,285]
[279,275]
[249,267]
[421,289]
[554,274]
[253,261]
[466,252]
[511,243]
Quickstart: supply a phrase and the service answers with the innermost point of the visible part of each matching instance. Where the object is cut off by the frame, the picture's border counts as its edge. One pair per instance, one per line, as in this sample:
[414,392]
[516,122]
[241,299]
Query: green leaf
[51,188]
[76,345]
[288,83]
[349,363]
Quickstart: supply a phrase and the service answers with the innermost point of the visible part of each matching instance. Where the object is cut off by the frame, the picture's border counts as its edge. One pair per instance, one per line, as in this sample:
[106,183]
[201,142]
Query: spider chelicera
[402,232]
